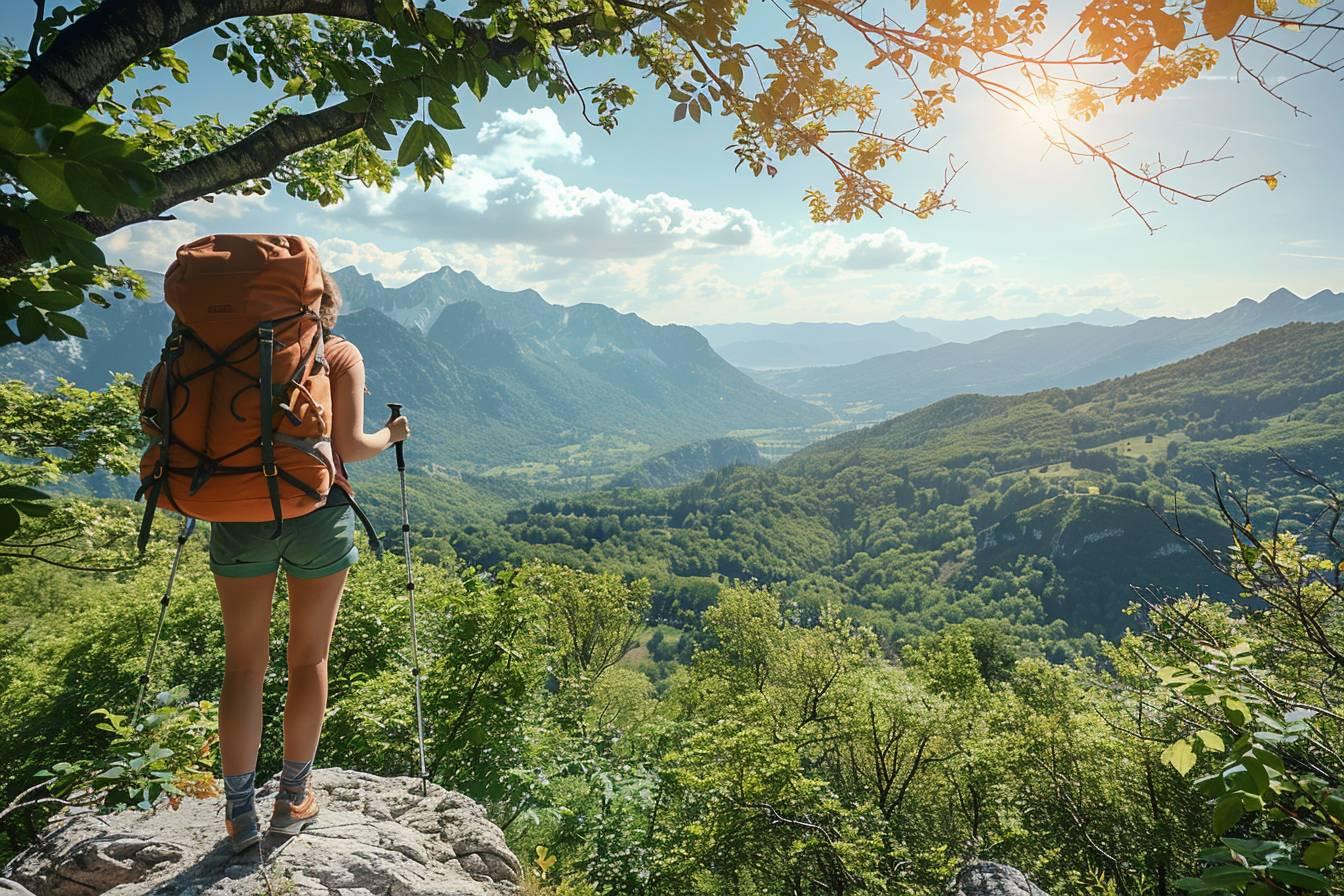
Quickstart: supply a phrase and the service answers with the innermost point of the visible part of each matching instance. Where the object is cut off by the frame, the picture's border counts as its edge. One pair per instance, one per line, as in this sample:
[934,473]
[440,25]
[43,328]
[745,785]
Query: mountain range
[769,346]
[775,346]
[974,328]
[499,382]
[1019,361]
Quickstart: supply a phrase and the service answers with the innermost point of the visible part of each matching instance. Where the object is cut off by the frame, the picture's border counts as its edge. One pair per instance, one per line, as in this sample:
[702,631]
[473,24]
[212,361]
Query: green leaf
[26,104]
[1256,849]
[9,521]
[32,324]
[1320,854]
[46,178]
[377,136]
[1180,757]
[71,325]
[413,143]
[21,493]
[1227,877]
[1211,740]
[445,116]
[1257,773]
[441,147]
[1237,712]
[1297,876]
[92,189]
[1227,812]
[56,299]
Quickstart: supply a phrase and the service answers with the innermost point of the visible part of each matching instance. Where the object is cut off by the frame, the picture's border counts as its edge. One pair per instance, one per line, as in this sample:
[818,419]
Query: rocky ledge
[374,836]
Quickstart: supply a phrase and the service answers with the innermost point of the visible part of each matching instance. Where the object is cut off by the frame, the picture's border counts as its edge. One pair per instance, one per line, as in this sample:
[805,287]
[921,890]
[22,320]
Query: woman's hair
[330,308]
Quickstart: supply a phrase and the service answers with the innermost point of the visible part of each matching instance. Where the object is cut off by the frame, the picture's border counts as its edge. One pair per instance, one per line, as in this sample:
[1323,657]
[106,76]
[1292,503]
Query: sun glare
[1046,112]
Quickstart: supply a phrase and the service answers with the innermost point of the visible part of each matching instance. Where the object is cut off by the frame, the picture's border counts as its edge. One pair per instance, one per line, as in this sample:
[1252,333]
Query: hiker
[260,309]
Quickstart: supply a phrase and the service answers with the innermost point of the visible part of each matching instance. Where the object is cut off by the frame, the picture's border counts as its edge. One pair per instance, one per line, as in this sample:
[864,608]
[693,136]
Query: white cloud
[972,267]
[1317,257]
[826,252]
[390,268]
[512,212]
[150,246]
[500,196]
[518,139]
[892,248]
[224,206]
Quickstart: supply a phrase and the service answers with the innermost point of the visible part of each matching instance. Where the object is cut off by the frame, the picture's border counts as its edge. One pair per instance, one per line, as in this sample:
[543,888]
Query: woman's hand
[398,430]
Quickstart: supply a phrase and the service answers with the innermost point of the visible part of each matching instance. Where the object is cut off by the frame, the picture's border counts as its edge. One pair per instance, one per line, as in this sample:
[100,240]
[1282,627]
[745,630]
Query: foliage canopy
[363,88]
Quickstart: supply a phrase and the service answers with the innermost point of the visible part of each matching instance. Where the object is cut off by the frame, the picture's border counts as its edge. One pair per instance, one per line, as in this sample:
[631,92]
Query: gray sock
[241,793]
[294,777]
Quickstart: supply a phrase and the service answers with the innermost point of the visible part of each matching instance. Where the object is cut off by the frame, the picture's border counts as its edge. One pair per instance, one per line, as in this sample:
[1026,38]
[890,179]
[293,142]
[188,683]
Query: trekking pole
[188,526]
[410,597]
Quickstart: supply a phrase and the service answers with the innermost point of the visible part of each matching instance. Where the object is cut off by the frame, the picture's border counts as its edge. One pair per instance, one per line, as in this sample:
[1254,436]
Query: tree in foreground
[1251,698]
[364,88]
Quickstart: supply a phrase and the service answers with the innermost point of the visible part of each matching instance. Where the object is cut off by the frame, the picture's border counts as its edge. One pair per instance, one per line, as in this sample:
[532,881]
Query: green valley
[1030,510]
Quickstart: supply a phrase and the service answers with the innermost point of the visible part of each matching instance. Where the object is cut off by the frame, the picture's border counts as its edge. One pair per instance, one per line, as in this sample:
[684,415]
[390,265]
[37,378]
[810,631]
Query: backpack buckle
[204,470]
[269,471]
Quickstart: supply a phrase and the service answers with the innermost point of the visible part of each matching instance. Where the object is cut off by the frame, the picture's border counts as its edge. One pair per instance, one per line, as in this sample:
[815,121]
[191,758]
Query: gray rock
[991,879]
[375,837]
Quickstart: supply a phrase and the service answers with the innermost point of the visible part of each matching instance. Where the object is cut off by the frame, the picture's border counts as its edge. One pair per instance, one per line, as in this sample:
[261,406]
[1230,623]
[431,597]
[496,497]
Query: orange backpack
[238,409]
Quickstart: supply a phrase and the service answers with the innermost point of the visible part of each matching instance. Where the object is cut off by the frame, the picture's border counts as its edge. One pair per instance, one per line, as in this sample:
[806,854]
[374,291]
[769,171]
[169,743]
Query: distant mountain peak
[1282,295]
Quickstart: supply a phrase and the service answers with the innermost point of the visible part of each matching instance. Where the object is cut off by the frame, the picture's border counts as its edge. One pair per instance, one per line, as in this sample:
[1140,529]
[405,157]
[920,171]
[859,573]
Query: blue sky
[652,219]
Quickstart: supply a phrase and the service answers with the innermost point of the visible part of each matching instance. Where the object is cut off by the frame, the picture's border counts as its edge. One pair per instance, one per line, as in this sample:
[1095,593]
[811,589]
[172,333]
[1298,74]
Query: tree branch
[94,50]
[256,155]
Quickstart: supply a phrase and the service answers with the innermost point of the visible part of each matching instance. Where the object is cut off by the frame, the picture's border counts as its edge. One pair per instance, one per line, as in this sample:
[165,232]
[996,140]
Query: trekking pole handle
[401,456]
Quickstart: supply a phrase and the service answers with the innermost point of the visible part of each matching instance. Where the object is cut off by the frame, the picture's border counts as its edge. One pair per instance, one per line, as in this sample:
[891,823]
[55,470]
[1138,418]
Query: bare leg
[245,605]
[313,604]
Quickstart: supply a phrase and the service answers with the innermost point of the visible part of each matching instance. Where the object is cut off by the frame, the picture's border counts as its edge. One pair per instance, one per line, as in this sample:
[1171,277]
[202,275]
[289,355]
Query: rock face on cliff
[374,836]
[991,879]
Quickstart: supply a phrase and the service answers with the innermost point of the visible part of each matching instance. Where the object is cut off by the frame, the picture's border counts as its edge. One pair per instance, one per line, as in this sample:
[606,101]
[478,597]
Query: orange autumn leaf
[1221,16]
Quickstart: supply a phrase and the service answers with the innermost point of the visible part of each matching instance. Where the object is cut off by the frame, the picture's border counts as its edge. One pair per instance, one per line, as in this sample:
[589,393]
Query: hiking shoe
[290,818]
[243,831]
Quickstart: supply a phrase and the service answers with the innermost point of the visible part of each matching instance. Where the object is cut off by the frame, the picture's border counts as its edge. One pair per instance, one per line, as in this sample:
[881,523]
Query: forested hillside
[1032,510]
[689,462]
[1024,360]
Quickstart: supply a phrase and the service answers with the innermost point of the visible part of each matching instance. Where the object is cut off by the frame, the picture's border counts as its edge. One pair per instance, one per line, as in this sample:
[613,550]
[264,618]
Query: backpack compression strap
[372,533]
[266,357]
[172,349]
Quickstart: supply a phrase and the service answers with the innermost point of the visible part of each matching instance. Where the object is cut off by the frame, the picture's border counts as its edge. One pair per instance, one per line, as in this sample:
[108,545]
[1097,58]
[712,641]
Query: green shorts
[311,546]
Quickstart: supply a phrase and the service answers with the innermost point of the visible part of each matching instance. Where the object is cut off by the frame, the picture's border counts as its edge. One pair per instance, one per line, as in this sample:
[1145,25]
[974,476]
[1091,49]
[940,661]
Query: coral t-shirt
[342,359]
